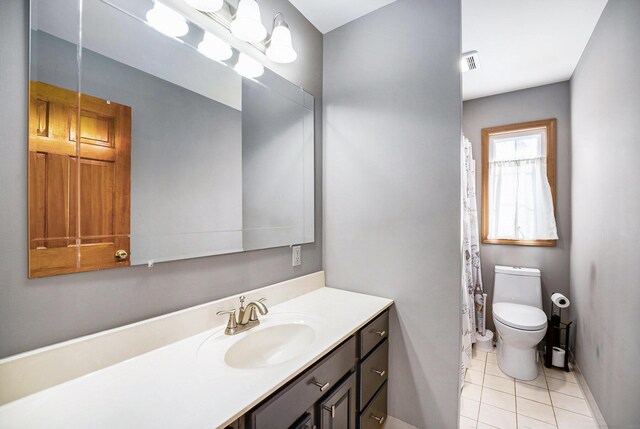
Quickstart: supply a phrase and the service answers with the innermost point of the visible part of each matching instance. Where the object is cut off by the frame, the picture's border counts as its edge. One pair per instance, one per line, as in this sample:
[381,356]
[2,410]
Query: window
[518,184]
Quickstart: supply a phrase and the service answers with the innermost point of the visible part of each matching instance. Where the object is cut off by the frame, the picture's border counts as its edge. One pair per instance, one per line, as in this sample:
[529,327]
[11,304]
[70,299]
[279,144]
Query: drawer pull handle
[381,333]
[322,386]
[332,410]
[380,373]
[378,419]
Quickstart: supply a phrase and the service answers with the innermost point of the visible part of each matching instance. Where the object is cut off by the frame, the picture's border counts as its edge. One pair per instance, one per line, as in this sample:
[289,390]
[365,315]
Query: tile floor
[491,399]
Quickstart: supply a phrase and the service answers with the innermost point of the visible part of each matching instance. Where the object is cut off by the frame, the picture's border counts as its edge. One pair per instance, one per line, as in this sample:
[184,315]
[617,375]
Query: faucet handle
[242,298]
[232,323]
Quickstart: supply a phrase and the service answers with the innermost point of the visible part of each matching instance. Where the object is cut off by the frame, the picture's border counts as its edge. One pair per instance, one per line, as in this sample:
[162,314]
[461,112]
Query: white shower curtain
[472,291]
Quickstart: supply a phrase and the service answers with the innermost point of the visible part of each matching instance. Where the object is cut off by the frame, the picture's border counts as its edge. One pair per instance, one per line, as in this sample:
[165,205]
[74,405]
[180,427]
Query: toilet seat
[518,316]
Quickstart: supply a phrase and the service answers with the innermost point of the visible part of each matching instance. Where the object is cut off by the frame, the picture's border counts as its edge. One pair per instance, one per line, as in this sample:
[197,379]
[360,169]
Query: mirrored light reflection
[248,67]
[214,48]
[167,21]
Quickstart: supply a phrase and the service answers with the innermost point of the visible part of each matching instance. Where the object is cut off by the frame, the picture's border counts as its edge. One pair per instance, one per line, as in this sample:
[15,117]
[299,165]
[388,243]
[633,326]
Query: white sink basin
[270,345]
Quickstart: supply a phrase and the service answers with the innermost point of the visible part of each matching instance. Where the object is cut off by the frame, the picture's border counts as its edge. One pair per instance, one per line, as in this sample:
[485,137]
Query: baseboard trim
[588,396]
[394,423]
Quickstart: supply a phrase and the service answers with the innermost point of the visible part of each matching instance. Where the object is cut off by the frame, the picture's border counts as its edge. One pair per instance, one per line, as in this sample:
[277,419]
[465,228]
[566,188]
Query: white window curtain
[520,200]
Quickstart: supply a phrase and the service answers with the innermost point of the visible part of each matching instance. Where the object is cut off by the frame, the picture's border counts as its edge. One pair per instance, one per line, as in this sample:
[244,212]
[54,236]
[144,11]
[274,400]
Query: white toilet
[519,320]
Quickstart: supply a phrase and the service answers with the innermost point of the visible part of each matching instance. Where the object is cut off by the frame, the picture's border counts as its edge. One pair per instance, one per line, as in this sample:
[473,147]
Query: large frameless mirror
[146,144]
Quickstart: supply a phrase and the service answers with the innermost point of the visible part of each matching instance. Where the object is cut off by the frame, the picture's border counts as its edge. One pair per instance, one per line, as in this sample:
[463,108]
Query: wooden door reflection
[78,214]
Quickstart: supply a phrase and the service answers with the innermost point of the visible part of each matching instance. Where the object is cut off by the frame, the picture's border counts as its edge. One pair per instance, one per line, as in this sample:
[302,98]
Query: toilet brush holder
[484,343]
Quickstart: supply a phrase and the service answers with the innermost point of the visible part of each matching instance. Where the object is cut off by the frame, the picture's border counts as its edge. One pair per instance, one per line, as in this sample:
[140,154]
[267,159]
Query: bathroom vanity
[319,358]
[346,389]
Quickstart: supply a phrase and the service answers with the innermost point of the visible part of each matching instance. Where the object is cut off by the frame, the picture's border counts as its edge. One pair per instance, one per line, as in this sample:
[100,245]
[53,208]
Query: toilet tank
[518,285]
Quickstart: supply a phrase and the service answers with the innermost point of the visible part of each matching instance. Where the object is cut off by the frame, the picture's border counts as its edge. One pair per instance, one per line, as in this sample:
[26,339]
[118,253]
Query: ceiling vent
[470,61]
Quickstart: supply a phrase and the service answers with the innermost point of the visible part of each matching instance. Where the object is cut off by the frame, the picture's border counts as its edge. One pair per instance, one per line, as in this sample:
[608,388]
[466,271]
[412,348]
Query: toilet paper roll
[560,300]
[557,357]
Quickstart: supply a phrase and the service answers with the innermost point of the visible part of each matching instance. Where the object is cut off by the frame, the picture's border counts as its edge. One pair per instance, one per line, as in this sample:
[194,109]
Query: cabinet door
[338,411]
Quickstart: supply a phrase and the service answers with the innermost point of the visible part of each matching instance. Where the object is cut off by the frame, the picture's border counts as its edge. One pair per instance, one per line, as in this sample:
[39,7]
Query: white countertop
[187,384]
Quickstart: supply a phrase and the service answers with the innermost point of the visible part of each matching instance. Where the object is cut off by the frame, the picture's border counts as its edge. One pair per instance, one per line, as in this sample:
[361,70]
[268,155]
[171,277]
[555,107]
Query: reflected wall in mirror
[180,157]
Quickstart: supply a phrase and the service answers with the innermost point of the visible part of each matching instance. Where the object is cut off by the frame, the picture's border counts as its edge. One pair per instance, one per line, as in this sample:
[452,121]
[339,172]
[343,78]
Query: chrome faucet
[247,316]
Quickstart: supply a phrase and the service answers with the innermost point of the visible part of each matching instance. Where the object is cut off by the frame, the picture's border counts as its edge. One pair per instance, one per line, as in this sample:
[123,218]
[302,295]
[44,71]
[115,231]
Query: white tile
[492,357]
[536,410]
[533,393]
[540,381]
[475,354]
[497,417]
[494,369]
[560,374]
[477,365]
[565,387]
[469,408]
[467,423]
[569,420]
[474,377]
[525,422]
[485,426]
[498,399]
[499,383]
[570,403]
[471,391]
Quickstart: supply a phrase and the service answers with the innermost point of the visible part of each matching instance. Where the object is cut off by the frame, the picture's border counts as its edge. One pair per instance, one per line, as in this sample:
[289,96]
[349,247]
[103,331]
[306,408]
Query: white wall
[392,109]
[605,269]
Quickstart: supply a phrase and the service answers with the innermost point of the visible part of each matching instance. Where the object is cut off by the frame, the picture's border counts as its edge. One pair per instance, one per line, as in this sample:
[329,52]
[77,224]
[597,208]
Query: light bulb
[206,5]
[248,67]
[280,49]
[247,25]
[214,48]
[167,20]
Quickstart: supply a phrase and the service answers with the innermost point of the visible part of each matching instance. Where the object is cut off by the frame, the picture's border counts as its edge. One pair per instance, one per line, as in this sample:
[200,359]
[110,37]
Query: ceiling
[524,43]
[327,15]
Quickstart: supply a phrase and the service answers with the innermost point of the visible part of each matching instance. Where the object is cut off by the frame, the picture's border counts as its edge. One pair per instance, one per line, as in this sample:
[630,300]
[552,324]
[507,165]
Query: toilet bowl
[520,328]
[519,320]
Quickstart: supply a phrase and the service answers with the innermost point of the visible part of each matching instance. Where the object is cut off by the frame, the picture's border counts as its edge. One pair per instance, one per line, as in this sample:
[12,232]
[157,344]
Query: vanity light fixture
[247,25]
[279,47]
[248,67]
[214,48]
[167,21]
[206,5]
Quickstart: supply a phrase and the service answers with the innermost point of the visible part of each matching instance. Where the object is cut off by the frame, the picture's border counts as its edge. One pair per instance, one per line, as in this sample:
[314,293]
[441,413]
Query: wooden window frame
[550,125]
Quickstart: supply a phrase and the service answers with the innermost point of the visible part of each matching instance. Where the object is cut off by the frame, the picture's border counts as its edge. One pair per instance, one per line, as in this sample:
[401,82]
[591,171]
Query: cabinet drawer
[373,373]
[375,415]
[376,331]
[287,405]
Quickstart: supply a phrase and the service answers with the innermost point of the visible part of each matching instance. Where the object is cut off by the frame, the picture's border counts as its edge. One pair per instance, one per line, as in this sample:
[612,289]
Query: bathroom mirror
[179,155]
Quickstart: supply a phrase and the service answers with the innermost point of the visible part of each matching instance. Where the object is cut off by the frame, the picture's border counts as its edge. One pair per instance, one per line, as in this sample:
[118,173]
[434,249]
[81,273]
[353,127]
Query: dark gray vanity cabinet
[346,389]
[373,372]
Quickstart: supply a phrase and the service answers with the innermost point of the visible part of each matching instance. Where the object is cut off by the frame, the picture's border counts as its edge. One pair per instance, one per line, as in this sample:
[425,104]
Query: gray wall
[40,312]
[392,109]
[543,102]
[605,272]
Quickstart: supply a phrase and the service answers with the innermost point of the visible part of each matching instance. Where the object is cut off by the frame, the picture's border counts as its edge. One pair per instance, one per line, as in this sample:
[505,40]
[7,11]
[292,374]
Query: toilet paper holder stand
[555,326]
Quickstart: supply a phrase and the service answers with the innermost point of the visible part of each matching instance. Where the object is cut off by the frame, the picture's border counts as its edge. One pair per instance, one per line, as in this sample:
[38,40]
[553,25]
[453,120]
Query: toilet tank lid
[518,271]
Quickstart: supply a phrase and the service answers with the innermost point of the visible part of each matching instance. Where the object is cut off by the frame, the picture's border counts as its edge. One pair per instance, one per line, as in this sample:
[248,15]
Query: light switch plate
[296,256]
